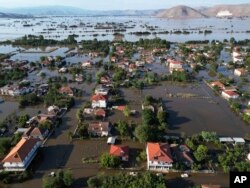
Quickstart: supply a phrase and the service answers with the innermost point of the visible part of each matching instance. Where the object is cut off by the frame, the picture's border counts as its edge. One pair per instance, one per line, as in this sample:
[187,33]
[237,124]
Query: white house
[20,157]
[99,128]
[237,57]
[100,90]
[240,72]
[99,101]
[228,94]
[159,157]
[87,64]
[174,65]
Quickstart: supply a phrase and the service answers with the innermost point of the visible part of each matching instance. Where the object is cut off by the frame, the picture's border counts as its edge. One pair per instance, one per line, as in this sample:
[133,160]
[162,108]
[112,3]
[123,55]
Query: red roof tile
[21,150]
[98,97]
[159,152]
[119,151]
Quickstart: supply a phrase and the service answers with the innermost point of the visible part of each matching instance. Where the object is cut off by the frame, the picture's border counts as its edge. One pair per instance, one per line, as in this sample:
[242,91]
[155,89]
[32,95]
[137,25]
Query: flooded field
[204,112]
[103,28]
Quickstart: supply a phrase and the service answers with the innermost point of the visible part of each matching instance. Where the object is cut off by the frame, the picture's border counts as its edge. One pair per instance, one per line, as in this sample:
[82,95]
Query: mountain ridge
[177,12]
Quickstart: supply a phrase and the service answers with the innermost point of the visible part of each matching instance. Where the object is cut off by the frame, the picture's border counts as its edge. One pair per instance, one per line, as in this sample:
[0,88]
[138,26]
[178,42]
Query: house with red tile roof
[99,128]
[120,151]
[100,112]
[228,94]
[20,157]
[105,80]
[66,90]
[218,84]
[99,101]
[36,132]
[174,65]
[159,157]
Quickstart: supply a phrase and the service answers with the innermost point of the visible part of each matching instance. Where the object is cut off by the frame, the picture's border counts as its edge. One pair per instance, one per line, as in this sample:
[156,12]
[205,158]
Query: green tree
[148,116]
[142,133]
[209,136]
[123,128]
[5,144]
[23,119]
[201,153]
[126,111]
[68,178]
[108,161]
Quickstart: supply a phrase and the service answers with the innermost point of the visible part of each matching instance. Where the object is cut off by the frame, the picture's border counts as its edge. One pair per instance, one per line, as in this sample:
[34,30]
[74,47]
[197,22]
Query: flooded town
[121,101]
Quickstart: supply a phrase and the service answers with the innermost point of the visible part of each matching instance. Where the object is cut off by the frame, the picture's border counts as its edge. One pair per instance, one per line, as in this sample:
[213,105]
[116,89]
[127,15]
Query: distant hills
[73,11]
[184,12]
[178,12]
[11,15]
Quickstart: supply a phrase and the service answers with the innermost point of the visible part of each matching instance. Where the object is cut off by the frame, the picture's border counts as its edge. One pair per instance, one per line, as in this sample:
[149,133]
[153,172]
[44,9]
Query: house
[240,72]
[94,54]
[87,64]
[113,59]
[20,157]
[185,155]
[53,110]
[105,80]
[140,63]
[99,128]
[159,157]
[66,90]
[63,70]
[36,132]
[237,57]
[120,108]
[100,112]
[79,78]
[41,118]
[227,94]
[99,101]
[101,90]
[218,84]
[174,65]
[132,67]
[15,90]
[120,151]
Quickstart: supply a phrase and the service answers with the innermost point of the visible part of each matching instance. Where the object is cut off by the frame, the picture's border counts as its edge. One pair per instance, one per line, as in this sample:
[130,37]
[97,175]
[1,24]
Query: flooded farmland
[104,28]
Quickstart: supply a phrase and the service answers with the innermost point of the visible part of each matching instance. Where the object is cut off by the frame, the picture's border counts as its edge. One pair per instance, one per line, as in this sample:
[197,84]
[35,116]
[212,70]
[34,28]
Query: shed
[238,140]
[226,140]
[111,140]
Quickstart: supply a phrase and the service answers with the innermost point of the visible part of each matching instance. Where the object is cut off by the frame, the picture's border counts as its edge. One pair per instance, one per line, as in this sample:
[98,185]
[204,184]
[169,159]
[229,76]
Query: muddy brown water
[186,115]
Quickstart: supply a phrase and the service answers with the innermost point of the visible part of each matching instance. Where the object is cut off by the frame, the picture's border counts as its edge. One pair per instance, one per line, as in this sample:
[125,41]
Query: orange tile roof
[98,97]
[119,151]
[21,150]
[218,84]
[66,89]
[230,93]
[100,112]
[159,152]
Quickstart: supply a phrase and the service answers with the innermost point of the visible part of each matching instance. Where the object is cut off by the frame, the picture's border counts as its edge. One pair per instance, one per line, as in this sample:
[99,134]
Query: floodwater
[103,28]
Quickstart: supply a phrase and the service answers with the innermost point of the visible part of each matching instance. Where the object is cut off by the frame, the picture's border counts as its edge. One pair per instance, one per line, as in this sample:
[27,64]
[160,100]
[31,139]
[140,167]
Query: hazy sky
[116,4]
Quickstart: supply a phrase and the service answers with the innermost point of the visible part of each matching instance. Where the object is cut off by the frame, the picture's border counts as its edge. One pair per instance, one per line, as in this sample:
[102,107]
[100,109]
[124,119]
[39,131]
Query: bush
[108,161]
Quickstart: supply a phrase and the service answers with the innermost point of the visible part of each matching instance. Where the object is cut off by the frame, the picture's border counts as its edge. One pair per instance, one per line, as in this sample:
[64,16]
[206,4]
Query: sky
[116,4]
